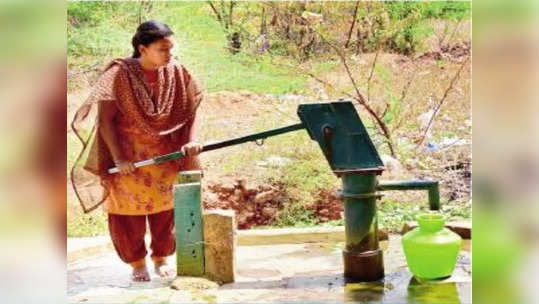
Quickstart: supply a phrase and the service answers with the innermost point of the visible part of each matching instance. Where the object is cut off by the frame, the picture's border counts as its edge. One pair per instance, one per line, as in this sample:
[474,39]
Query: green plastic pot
[431,249]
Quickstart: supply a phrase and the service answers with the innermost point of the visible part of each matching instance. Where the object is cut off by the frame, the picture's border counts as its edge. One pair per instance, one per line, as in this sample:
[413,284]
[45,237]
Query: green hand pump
[344,141]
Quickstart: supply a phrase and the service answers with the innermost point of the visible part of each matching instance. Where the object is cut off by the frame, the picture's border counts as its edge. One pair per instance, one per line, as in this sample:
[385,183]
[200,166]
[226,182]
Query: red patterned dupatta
[122,82]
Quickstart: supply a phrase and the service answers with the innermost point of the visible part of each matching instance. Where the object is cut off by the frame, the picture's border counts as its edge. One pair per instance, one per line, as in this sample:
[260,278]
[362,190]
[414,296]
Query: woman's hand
[125,167]
[191,148]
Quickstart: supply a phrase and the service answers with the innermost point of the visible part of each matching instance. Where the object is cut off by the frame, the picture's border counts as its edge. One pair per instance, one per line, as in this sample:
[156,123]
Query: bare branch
[219,18]
[140,12]
[446,93]
[223,14]
[352,26]
[457,26]
[232,4]
[360,97]
[404,93]
[92,68]
[371,74]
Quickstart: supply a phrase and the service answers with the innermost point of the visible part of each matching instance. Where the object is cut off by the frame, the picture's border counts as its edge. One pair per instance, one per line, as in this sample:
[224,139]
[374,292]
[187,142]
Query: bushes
[436,9]
[399,27]
[86,13]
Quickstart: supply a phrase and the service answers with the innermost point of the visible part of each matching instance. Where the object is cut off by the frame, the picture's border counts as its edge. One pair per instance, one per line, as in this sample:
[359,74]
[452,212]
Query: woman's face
[159,52]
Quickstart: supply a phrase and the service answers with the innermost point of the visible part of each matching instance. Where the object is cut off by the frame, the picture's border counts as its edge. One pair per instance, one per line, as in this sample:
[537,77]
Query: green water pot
[431,249]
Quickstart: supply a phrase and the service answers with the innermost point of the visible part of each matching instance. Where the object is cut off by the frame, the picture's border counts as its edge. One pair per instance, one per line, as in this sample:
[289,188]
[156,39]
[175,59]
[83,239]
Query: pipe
[362,256]
[431,186]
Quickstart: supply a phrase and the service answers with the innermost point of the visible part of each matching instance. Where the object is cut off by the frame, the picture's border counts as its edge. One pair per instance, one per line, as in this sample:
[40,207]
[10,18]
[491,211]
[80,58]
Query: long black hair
[148,32]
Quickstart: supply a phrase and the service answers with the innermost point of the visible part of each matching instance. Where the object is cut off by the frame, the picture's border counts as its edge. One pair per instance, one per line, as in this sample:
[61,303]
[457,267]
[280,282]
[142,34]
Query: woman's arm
[107,112]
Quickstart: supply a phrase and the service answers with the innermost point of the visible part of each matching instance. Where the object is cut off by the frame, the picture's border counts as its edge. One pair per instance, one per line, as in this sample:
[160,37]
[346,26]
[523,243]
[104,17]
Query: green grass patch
[91,224]
[99,32]
[295,214]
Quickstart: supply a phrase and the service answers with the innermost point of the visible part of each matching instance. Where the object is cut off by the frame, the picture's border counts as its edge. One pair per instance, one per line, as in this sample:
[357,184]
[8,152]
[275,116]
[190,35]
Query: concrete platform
[308,272]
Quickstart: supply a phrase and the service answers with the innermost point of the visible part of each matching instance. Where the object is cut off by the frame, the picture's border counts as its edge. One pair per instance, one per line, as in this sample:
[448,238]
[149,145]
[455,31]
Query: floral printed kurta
[149,189]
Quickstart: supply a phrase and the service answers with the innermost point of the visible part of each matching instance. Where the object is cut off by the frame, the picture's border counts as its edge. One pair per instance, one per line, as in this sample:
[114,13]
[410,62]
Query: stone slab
[295,235]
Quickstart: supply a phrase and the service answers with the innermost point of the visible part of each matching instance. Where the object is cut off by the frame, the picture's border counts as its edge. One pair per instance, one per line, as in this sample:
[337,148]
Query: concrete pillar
[219,245]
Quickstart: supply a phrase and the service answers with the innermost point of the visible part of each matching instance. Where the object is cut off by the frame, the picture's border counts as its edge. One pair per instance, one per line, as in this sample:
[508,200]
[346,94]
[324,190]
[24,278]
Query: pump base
[363,266]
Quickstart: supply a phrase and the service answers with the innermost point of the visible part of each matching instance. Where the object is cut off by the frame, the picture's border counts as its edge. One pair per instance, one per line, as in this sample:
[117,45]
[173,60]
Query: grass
[92,224]
[202,47]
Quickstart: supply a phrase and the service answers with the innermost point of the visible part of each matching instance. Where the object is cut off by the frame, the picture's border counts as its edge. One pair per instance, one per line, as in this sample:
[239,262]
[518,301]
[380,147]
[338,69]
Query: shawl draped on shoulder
[122,82]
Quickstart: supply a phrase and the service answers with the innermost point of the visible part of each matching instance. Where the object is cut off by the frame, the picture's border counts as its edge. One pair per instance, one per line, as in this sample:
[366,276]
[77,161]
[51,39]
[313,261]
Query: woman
[147,106]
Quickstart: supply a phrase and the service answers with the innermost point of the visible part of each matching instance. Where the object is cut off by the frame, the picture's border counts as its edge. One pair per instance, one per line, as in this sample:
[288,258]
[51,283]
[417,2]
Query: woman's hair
[148,32]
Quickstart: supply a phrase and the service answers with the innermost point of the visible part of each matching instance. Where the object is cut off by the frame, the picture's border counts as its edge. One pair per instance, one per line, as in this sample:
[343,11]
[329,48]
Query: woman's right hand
[125,167]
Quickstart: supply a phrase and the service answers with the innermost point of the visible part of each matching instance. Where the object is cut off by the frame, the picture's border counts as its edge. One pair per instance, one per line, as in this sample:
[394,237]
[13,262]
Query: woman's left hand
[191,148]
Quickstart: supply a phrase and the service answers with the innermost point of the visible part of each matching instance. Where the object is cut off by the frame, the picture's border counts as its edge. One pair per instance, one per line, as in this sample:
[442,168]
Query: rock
[251,188]
[382,235]
[227,187]
[269,211]
[265,196]
[210,196]
[312,18]
[464,229]
[237,196]
[240,183]
[277,161]
[323,212]
[219,245]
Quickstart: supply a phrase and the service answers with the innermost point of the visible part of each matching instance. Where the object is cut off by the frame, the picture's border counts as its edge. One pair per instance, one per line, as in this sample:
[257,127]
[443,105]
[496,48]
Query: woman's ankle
[157,260]
[138,264]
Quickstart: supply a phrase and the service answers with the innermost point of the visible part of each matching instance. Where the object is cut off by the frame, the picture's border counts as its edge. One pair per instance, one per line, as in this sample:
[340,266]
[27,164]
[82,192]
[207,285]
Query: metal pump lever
[214,146]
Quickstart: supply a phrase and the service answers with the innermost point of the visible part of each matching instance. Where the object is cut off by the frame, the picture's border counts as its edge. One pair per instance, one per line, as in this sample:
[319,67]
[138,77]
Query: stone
[219,245]
[210,196]
[281,236]
[462,228]
[382,235]
[251,188]
[278,161]
[237,195]
[269,211]
[227,187]
[265,196]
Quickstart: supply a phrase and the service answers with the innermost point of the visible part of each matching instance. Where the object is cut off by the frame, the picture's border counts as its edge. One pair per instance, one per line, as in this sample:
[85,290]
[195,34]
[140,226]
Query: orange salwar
[127,234]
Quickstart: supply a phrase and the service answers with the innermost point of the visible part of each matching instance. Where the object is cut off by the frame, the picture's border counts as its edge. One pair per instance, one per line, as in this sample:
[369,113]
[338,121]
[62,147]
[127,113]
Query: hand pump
[345,143]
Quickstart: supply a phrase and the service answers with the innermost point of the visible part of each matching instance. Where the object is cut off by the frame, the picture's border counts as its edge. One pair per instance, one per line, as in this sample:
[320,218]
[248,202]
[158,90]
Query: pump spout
[429,185]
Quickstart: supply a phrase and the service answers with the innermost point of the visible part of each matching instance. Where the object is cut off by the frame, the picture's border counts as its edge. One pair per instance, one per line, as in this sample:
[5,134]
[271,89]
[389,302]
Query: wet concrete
[309,272]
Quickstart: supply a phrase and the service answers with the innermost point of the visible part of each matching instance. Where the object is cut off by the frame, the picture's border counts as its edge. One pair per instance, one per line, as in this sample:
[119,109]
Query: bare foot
[163,270]
[140,274]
